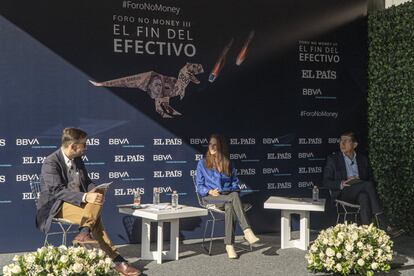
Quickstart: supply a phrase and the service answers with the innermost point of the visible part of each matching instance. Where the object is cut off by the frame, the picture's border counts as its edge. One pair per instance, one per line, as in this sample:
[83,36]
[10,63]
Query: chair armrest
[214,208]
[63,221]
[347,203]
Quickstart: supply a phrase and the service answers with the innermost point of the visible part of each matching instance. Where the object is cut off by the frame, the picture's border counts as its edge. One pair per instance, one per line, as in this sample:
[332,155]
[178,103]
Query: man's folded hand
[95,198]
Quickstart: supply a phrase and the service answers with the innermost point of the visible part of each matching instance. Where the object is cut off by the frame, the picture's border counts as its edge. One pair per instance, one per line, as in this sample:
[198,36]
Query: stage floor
[266,259]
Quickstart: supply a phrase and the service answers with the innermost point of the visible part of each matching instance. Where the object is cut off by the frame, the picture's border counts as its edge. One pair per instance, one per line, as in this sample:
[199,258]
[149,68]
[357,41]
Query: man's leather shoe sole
[85,240]
[127,269]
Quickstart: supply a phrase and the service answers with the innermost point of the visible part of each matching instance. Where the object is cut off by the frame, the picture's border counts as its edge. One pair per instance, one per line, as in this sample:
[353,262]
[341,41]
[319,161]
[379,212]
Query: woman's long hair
[223,156]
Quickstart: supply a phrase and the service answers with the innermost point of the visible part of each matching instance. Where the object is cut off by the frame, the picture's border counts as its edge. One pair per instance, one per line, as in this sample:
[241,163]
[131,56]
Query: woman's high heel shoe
[250,236]
[231,252]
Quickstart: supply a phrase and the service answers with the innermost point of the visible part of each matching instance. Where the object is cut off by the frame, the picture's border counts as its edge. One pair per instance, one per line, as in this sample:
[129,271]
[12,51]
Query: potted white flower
[63,261]
[348,248]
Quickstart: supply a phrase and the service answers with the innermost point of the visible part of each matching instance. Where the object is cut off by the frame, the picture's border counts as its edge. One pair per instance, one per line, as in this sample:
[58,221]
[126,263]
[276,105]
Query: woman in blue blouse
[217,183]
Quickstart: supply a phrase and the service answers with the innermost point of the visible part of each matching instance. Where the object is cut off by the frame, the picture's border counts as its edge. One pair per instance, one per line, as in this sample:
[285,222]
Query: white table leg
[285,229]
[304,230]
[303,241]
[174,239]
[145,239]
[159,242]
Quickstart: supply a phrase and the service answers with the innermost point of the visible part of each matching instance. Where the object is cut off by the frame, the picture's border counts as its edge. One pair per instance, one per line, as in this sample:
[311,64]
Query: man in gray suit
[66,192]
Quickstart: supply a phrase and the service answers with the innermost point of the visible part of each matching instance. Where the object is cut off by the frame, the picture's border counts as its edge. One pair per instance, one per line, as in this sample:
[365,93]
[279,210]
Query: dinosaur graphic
[160,87]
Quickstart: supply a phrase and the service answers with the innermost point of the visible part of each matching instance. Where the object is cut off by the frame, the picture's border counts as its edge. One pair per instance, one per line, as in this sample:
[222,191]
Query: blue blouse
[210,179]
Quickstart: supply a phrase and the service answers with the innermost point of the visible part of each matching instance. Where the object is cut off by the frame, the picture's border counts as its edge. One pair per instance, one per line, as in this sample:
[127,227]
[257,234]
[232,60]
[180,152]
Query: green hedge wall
[391,109]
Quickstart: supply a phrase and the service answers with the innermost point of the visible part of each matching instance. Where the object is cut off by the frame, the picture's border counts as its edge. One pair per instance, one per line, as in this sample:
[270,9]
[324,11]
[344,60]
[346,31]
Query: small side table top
[291,203]
[162,211]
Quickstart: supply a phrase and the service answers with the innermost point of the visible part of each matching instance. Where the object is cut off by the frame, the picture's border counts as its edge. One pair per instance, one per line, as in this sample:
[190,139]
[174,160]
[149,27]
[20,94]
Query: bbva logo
[161,157]
[117,175]
[118,141]
[27,141]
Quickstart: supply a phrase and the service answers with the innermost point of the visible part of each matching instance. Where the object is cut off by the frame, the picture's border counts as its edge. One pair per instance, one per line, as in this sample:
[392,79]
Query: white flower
[101,253]
[338,267]
[321,255]
[360,244]
[314,248]
[354,236]
[338,255]
[77,267]
[64,258]
[38,269]
[374,265]
[361,262]
[329,263]
[50,255]
[6,270]
[92,255]
[16,269]
[325,241]
[329,252]
[30,259]
[108,260]
[78,250]
[349,247]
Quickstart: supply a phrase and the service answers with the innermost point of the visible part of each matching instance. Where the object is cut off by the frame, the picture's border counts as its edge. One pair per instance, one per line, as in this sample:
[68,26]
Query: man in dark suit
[350,178]
[67,192]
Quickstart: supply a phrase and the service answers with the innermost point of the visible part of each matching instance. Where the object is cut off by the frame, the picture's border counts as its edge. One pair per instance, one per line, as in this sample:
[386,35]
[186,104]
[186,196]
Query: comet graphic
[243,53]
[220,62]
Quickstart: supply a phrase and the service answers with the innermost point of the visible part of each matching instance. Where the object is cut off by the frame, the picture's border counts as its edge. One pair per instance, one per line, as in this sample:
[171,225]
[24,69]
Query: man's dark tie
[74,181]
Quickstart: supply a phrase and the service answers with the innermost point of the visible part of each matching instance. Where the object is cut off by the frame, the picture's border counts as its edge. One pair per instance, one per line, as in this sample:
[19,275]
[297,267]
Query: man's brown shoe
[126,269]
[84,238]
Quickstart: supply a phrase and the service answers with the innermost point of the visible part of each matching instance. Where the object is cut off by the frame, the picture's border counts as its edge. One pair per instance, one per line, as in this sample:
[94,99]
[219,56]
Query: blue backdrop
[280,79]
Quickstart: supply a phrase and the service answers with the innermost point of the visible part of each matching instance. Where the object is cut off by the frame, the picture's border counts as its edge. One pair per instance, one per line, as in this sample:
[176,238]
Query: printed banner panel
[150,81]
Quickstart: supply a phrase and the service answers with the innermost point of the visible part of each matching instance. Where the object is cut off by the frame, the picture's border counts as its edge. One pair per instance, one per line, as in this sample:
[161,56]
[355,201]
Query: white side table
[161,213]
[301,206]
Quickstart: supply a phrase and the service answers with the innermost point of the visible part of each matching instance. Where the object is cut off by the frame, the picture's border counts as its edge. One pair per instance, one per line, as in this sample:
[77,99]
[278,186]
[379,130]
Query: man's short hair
[352,135]
[71,135]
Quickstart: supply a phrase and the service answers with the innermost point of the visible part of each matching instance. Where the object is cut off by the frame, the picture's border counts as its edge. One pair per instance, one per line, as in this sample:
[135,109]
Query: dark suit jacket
[54,182]
[335,172]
